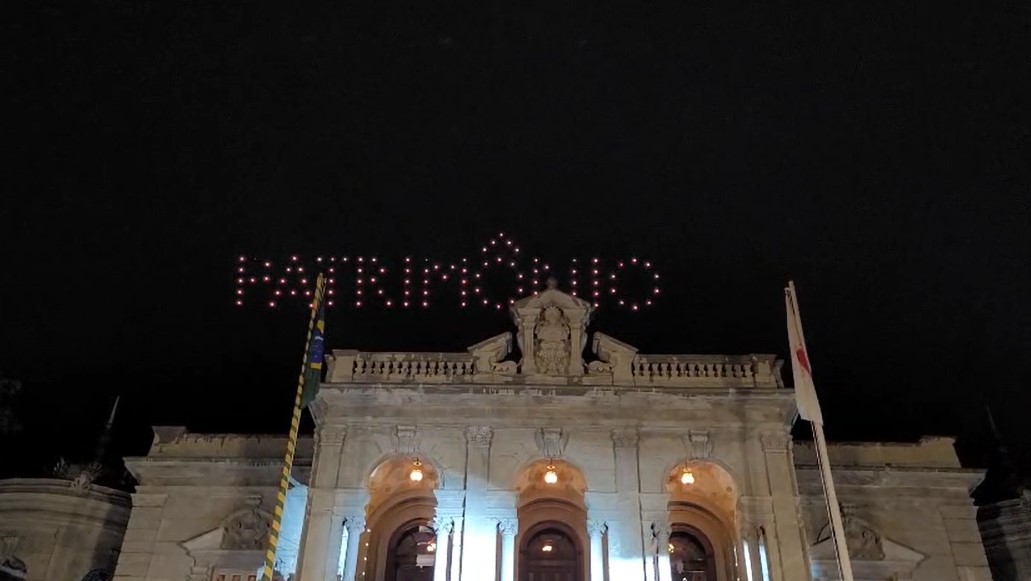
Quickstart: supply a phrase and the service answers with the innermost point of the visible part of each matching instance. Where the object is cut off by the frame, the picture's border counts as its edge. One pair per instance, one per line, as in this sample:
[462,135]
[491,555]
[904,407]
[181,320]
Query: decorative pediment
[244,530]
[552,332]
[872,555]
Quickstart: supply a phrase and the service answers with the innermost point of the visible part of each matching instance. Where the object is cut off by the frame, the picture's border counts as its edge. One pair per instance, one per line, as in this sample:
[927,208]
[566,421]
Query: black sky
[877,154]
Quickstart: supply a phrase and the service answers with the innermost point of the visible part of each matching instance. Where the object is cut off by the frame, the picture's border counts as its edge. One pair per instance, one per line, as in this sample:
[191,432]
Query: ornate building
[573,459]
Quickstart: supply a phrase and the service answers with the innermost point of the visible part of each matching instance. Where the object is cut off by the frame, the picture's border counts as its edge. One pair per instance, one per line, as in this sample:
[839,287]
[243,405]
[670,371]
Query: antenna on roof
[105,436]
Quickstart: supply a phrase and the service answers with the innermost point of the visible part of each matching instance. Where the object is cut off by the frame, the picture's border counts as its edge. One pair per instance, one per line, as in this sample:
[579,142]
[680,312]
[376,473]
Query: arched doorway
[411,554]
[550,553]
[690,556]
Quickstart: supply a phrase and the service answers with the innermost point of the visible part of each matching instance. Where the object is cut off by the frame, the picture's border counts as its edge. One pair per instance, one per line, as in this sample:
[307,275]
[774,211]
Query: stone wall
[58,531]
[907,510]
[203,503]
[1006,532]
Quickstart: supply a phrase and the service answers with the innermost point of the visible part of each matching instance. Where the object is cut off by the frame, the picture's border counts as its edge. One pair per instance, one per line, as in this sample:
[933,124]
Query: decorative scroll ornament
[406,443]
[355,523]
[247,530]
[698,444]
[624,438]
[551,442]
[508,526]
[863,542]
[479,435]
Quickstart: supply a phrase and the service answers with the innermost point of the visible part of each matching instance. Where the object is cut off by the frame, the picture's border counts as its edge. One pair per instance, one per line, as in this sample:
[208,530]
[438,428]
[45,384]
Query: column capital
[508,526]
[596,528]
[625,438]
[354,523]
[443,523]
[775,441]
[479,436]
[331,435]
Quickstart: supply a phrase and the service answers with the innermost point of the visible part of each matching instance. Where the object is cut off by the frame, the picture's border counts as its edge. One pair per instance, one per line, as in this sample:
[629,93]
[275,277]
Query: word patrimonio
[496,279]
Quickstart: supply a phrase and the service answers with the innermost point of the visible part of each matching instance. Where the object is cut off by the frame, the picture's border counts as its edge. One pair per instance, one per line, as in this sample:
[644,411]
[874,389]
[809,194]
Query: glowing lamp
[687,477]
[551,476]
[547,548]
[431,547]
[416,474]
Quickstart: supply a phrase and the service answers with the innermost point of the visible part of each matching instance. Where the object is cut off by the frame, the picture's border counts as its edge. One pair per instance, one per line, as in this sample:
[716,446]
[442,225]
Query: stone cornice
[890,476]
[199,471]
[62,488]
[459,404]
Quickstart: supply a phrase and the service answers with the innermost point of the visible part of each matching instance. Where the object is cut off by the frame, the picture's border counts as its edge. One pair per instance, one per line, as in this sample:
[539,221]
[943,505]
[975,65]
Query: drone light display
[418,283]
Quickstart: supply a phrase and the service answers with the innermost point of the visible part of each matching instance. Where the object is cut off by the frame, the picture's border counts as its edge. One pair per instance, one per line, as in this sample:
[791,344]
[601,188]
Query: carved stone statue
[552,350]
[247,531]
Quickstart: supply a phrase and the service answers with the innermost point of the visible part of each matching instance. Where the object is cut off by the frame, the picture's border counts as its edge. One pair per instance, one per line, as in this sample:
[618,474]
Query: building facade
[550,454]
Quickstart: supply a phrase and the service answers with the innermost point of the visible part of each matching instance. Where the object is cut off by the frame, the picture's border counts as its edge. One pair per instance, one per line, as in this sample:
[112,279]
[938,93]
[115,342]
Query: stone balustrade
[760,371]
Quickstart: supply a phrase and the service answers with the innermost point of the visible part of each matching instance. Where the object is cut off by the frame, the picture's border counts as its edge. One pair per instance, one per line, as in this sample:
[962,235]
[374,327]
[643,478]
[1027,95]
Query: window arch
[691,556]
[550,553]
[411,554]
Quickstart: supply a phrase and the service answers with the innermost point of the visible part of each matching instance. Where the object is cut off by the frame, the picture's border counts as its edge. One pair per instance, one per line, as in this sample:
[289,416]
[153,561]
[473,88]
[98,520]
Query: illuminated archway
[399,514]
[702,513]
[550,508]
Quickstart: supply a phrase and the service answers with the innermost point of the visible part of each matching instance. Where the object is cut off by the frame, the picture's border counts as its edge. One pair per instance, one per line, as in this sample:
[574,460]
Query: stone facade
[549,453]
[1006,532]
[60,530]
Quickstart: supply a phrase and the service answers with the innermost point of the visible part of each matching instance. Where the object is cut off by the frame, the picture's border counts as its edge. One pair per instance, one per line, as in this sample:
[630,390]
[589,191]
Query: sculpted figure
[553,349]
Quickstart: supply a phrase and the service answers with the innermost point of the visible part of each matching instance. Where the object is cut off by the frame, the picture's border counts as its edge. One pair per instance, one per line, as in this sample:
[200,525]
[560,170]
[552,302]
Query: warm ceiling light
[416,474]
[671,548]
[547,548]
[551,477]
[431,547]
[687,477]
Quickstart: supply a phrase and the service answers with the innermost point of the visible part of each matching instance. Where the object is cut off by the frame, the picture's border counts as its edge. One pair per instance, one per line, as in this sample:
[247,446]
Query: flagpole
[822,455]
[291,442]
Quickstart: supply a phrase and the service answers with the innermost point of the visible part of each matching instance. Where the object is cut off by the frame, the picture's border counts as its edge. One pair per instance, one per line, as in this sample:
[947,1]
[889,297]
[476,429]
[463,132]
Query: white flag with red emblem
[805,390]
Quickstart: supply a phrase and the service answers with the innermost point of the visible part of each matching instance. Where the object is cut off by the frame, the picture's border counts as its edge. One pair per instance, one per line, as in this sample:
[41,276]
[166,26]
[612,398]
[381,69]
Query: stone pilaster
[139,545]
[355,525]
[316,550]
[508,528]
[443,526]
[786,540]
[479,533]
[626,546]
[596,530]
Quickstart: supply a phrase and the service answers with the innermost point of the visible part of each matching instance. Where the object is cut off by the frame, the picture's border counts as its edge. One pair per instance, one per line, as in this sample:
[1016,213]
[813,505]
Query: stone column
[665,567]
[314,554]
[507,527]
[480,534]
[787,552]
[751,566]
[455,570]
[443,526]
[596,529]
[355,525]
[627,547]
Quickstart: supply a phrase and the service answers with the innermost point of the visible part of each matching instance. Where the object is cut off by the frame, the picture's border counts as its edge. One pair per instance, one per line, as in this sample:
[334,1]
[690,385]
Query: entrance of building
[411,556]
[691,557]
[550,554]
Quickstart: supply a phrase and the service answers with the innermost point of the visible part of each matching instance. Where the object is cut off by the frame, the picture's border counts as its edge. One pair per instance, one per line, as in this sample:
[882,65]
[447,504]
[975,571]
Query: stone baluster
[443,526]
[355,525]
[596,529]
[507,528]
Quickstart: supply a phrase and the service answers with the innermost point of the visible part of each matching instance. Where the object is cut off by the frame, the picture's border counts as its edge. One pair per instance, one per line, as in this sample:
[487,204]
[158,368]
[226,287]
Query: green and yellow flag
[316,351]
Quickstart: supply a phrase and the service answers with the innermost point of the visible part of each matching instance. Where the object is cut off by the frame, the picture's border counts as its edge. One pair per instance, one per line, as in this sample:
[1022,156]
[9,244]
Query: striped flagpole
[291,442]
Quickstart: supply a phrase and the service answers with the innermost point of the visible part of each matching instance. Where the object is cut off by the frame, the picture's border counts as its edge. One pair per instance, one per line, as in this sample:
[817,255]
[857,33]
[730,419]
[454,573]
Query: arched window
[550,555]
[412,554]
[690,556]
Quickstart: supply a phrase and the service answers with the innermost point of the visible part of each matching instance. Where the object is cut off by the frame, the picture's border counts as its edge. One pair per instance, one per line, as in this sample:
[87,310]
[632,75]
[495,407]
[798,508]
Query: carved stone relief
[406,443]
[248,530]
[479,435]
[551,441]
[552,349]
[698,444]
[624,438]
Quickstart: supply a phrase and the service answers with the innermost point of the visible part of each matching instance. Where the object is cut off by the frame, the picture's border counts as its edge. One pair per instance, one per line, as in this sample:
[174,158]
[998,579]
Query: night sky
[876,155]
